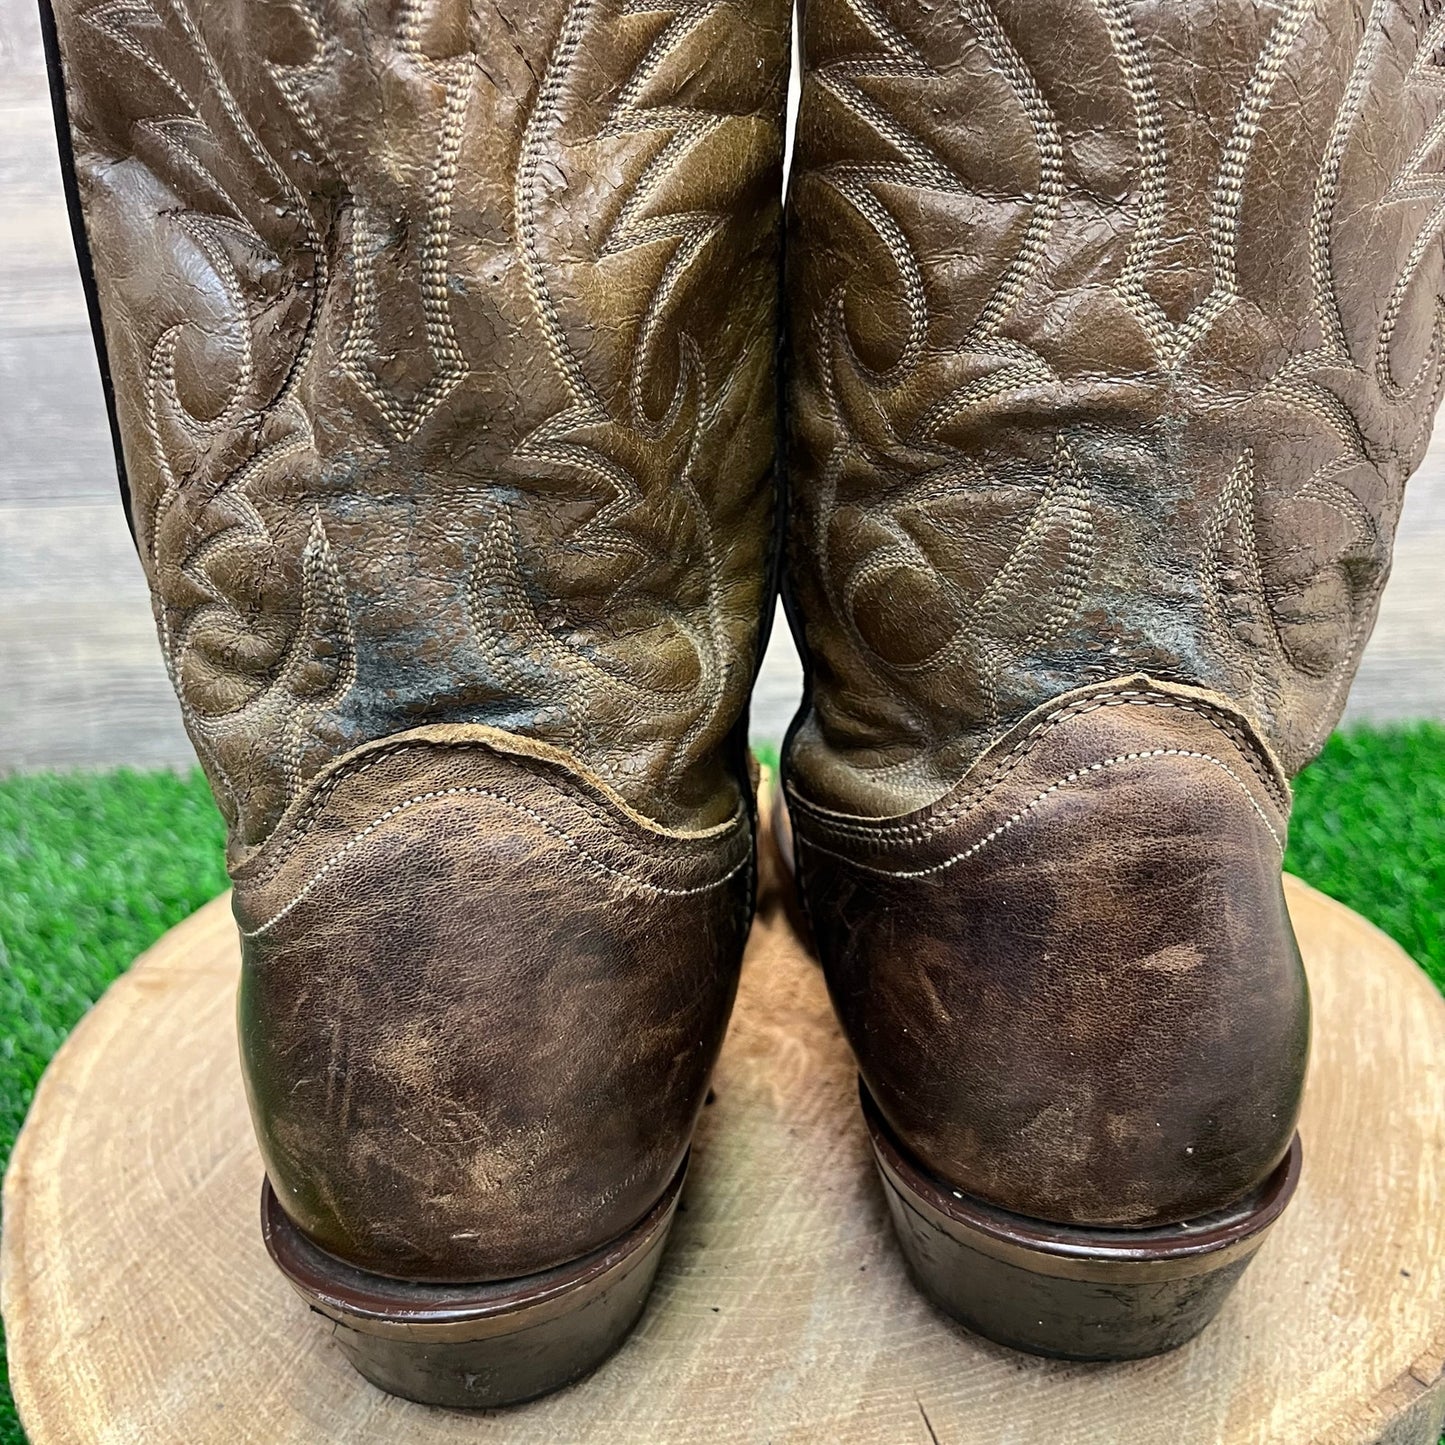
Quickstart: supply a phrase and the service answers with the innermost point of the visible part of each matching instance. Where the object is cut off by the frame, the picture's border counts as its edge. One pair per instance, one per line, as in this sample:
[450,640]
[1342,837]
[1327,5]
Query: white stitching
[1139,81]
[382,818]
[1128,697]
[1048,792]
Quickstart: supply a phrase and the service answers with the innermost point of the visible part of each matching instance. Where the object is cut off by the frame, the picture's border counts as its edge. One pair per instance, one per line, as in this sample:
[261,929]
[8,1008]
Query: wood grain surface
[141,1307]
[84,683]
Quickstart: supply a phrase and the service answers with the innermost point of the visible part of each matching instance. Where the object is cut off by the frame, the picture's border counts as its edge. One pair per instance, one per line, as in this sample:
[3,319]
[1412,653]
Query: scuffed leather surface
[442,336]
[1115,333]
[1071,983]
[481,1000]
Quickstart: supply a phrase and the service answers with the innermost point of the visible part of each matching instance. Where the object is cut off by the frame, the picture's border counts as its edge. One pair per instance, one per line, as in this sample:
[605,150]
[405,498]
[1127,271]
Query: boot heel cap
[478,1346]
[1071,1293]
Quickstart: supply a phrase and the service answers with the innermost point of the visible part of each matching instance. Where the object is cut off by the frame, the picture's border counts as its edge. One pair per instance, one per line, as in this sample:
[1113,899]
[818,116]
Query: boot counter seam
[1054,787]
[937,822]
[521,808]
[574,787]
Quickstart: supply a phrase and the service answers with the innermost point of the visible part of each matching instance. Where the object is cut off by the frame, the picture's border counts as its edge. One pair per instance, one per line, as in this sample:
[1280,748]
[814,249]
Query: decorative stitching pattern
[1213,461]
[1009,609]
[361,350]
[1138,77]
[571,584]
[1416,183]
[233,239]
[280,849]
[1234,589]
[590,437]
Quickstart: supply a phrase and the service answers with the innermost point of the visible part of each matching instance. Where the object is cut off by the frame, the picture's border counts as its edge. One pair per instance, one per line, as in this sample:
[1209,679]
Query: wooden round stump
[141,1307]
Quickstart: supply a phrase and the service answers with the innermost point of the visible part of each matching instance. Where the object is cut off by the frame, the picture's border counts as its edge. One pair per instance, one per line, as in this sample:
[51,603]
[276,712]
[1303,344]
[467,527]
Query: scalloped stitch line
[354,767]
[1128,697]
[521,808]
[1047,792]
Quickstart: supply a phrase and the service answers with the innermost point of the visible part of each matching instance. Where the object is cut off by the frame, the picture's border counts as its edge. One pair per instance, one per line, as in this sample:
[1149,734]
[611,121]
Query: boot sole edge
[1068,1292]
[478,1346]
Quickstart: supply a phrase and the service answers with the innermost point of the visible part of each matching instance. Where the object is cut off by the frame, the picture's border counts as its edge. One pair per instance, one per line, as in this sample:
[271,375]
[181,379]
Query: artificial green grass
[1369,829]
[94,868]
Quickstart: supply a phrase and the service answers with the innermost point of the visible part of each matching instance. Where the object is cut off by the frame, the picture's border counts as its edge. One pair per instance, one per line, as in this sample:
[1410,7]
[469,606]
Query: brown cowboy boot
[441,346]
[1115,333]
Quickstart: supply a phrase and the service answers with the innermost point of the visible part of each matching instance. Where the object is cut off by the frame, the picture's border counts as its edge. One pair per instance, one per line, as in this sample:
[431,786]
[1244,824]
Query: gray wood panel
[81,682]
[54,438]
[39,288]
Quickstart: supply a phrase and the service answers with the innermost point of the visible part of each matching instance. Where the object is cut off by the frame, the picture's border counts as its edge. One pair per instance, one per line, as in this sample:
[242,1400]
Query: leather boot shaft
[1115,334]
[442,345]
[443,355]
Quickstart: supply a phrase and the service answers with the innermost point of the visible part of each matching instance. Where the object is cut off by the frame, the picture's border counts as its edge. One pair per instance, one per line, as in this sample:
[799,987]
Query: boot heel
[1071,1293]
[482,1345]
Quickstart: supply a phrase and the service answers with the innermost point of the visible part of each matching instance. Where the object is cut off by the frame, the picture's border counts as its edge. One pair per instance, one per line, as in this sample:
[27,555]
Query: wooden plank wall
[81,683]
